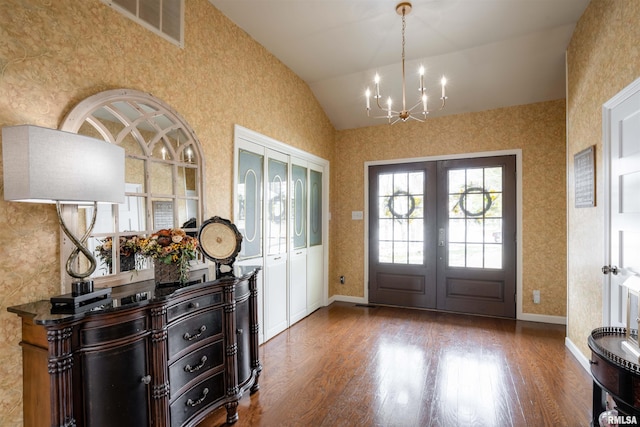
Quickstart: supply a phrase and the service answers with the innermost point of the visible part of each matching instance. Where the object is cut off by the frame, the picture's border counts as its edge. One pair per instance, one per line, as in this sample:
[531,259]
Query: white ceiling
[494,53]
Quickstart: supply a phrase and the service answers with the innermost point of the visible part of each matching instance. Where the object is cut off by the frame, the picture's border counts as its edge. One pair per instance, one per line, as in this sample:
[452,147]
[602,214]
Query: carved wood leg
[232,411]
[60,374]
[160,386]
[598,404]
[256,366]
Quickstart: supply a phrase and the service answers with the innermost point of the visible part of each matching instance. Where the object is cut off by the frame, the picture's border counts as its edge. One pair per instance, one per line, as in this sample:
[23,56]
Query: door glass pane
[299,206]
[315,214]
[475,217]
[277,208]
[249,221]
[456,255]
[401,217]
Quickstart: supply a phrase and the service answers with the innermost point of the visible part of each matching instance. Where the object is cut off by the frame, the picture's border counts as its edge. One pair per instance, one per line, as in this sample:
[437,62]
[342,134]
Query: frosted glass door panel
[315,208]
[249,221]
[277,208]
[299,206]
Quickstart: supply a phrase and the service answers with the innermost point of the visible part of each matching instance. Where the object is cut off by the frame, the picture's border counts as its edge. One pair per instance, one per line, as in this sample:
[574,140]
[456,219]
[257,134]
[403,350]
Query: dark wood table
[615,372]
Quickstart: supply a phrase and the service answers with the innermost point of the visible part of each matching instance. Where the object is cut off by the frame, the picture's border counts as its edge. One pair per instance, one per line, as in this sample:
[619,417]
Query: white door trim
[244,137]
[607,108]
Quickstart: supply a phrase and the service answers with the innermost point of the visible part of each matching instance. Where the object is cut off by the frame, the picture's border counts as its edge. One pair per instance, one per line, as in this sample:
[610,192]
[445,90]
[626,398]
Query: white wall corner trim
[577,354]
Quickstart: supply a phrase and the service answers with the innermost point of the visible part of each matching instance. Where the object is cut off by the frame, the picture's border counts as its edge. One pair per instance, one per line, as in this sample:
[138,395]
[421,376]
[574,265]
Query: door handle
[610,269]
[441,237]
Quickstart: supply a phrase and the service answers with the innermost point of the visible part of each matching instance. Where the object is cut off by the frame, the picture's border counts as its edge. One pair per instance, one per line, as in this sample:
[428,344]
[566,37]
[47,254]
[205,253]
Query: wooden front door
[402,224]
[442,235]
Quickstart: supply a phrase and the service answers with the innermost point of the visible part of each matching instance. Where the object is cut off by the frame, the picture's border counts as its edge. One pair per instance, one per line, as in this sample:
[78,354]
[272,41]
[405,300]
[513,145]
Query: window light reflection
[401,373]
[472,385]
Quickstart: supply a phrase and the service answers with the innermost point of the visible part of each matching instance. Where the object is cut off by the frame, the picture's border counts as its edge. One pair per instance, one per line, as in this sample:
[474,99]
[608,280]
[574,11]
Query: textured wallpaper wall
[603,58]
[54,54]
[537,129]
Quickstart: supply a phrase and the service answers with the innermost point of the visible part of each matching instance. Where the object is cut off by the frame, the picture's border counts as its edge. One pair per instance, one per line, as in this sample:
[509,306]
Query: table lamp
[43,165]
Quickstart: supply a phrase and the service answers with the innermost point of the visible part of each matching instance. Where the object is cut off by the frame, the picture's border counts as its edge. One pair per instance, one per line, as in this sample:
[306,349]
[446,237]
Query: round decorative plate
[220,240]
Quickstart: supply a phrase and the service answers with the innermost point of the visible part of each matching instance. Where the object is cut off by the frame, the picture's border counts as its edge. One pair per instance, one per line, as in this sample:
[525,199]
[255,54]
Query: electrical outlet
[536,296]
[342,280]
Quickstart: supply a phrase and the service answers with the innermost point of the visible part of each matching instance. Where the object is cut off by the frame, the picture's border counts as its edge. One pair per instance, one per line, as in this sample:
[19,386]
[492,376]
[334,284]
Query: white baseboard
[577,354]
[347,298]
[543,318]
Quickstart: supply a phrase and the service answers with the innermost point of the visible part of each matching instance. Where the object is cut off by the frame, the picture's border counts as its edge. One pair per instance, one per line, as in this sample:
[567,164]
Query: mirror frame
[180,156]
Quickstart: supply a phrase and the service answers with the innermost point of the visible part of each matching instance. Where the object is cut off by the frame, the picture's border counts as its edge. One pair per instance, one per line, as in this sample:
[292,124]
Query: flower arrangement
[171,246]
[129,247]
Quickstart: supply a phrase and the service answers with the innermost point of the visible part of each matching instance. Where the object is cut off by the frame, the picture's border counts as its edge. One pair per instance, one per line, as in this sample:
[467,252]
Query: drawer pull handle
[146,379]
[189,337]
[239,331]
[593,362]
[199,401]
[194,305]
[190,369]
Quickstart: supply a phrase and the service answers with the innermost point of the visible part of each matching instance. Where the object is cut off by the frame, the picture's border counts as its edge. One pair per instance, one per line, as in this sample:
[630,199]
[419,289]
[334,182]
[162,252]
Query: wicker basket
[166,273]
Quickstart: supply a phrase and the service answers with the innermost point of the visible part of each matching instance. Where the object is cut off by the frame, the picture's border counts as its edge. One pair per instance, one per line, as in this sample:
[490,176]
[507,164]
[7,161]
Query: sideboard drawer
[192,330]
[193,304]
[112,331]
[199,396]
[605,373]
[194,364]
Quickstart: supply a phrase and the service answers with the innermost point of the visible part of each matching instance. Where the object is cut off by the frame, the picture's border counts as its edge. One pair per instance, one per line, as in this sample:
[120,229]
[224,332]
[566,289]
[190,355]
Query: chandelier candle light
[393,116]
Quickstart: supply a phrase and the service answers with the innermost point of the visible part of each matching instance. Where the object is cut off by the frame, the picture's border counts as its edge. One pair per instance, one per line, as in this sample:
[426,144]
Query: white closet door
[276,247]
[248,213]
[298,241]
[281,209]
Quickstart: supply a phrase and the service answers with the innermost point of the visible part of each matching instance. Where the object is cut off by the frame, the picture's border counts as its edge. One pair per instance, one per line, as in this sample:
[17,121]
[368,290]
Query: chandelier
[413,113]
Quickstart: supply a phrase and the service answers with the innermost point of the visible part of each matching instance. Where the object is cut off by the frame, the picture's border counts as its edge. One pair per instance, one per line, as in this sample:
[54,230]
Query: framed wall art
[584,166]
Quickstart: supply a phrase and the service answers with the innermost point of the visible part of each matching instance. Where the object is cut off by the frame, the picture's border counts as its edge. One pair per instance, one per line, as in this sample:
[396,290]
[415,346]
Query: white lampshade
[44,165]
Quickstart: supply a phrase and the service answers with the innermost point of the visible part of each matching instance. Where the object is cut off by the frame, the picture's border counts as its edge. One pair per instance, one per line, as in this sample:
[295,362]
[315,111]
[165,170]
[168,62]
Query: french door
[402,251]
[442,235]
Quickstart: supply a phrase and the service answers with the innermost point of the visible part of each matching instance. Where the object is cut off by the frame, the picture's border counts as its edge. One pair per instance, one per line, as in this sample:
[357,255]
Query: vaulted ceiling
[494,53]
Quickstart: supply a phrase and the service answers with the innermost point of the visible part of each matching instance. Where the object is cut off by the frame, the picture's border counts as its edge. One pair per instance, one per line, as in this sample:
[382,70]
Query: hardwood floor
[348,365]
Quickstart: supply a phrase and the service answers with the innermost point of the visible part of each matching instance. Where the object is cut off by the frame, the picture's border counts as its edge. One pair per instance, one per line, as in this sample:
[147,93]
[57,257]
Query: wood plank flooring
[348,365]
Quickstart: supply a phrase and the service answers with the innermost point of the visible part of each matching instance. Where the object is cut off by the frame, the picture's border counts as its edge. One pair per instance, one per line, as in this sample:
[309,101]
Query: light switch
[357,215]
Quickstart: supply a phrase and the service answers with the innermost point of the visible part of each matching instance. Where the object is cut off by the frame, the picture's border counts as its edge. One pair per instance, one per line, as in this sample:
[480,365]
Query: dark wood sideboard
[153,357]
[614,372]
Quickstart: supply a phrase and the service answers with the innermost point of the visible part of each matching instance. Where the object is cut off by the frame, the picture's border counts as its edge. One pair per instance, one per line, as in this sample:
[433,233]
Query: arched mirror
[163,173]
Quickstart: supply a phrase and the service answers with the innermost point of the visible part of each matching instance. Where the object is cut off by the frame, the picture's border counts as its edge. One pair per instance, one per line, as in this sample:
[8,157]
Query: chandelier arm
[386,116]
[384,109]
[418,104]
